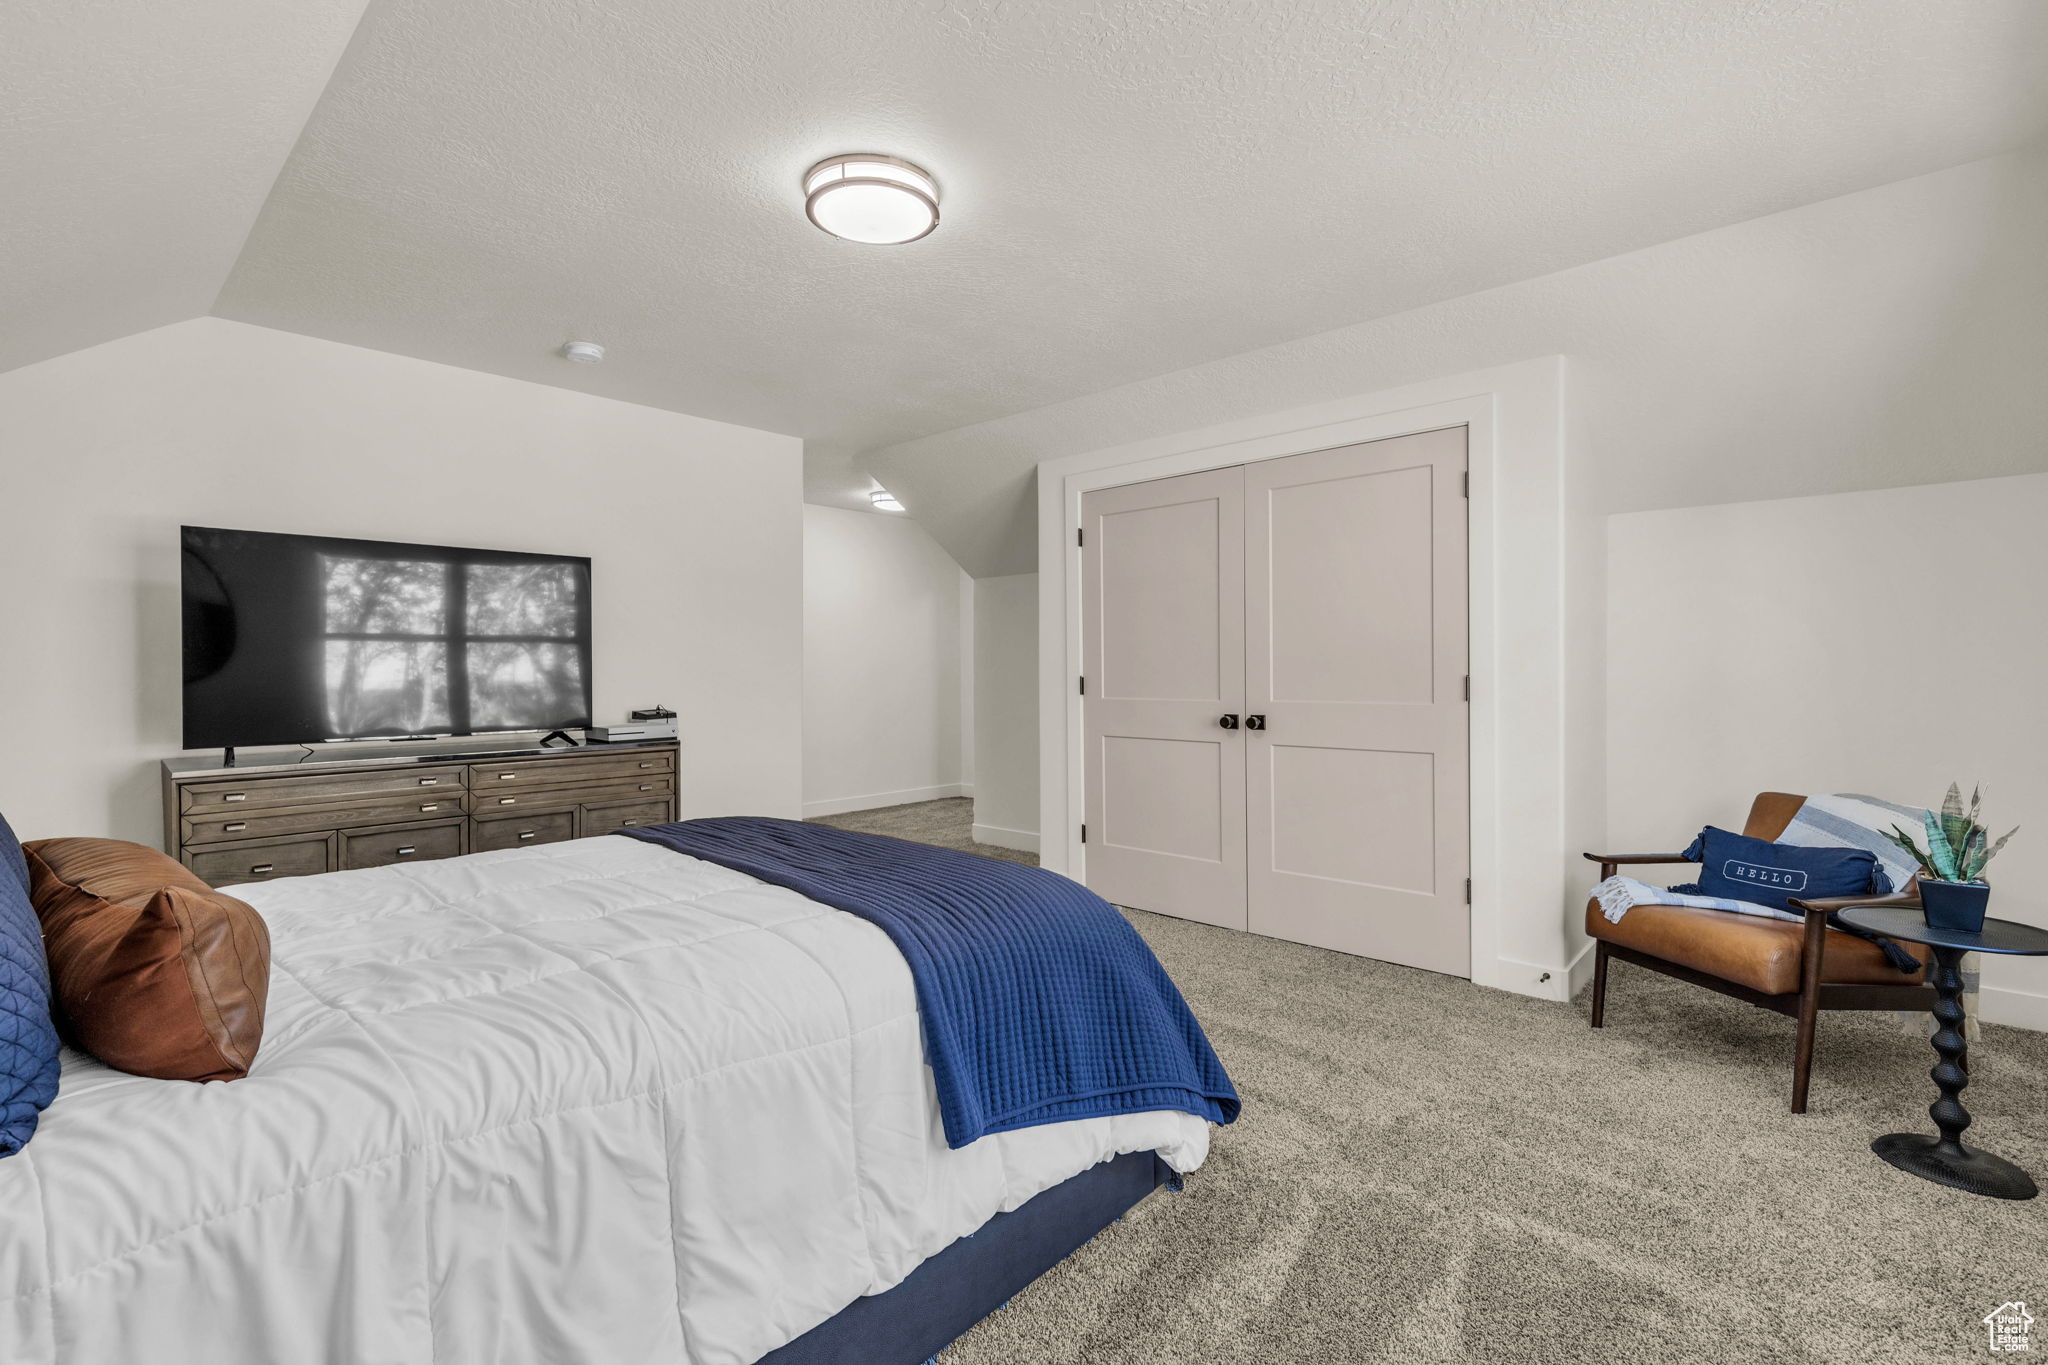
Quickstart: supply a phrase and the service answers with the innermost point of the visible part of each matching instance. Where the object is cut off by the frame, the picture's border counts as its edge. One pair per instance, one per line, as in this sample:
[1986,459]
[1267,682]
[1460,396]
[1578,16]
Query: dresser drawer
[513,775]
[625,815]
[405,844]
[201,798]
[488,804]
[522,831]
[263,860]
[236,824]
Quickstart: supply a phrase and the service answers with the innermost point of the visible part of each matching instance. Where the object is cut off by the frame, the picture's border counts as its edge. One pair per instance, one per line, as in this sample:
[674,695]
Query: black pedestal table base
[1932,1158]
[1944,1159]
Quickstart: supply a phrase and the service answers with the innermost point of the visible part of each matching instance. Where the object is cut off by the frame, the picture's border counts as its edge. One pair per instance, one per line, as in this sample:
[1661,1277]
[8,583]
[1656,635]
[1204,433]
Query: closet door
[1356,657]
[1162,577]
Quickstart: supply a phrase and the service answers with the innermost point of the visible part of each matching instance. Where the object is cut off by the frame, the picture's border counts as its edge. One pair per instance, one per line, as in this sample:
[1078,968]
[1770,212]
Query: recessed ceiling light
[583,352]
[863,197]
[885,501]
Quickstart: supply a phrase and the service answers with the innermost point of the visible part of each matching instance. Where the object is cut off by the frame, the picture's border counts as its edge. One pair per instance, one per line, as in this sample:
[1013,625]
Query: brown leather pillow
[154,972]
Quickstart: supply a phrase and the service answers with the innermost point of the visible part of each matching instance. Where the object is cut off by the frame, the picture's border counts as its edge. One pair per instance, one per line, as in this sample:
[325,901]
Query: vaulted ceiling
[138,142]
[1131,187]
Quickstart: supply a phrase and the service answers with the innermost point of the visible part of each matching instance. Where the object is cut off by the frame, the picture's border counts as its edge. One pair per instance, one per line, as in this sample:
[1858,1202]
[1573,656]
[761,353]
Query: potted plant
[1953,891]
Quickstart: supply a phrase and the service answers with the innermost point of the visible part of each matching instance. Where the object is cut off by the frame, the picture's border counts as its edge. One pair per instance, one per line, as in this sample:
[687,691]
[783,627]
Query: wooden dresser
[262,819]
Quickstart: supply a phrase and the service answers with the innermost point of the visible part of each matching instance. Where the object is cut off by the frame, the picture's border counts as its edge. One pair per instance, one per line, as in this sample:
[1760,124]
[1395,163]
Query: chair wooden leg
[1809,1007]
[1600,984]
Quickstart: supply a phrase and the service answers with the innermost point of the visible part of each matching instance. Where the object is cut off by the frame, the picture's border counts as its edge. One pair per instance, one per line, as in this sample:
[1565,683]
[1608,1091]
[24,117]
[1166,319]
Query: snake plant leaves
[1958,845]
[1992,852]
[1905,841]
[1971,862]
[1955,823]
[1938,850]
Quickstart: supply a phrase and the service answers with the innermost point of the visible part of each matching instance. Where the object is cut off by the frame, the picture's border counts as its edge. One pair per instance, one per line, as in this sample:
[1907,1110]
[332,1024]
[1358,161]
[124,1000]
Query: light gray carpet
[949,824]
[1427,1171]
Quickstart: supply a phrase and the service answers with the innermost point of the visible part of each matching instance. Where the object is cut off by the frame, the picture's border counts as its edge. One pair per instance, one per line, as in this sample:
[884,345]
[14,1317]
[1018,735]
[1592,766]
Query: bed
[596,1101]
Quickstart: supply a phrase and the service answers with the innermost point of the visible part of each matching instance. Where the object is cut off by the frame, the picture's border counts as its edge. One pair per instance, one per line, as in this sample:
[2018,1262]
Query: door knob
[1254,722]
[1229,722]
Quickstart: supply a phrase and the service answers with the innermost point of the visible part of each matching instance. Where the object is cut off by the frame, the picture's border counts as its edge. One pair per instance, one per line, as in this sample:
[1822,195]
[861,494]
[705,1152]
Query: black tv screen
[295,639]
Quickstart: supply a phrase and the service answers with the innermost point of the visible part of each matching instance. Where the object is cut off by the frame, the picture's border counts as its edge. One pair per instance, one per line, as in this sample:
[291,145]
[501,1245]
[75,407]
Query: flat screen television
[298,639]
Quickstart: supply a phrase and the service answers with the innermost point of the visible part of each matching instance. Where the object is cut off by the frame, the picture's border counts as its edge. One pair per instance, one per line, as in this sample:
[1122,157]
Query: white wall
[888,623]
[1884,642]
[1006,711]
[693,526]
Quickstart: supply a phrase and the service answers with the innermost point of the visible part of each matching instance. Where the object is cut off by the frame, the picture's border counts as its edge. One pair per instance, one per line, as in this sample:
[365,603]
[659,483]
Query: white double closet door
[1274,698]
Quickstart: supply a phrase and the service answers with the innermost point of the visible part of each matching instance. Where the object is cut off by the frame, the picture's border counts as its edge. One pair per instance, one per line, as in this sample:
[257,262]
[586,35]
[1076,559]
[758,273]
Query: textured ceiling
[137,143]
[1130,188]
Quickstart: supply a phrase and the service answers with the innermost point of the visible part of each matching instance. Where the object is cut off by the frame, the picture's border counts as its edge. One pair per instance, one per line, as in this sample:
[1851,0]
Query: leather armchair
[1790,968]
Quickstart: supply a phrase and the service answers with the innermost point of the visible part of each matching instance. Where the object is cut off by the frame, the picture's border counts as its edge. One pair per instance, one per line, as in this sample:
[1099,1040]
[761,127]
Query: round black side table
[1944,1159]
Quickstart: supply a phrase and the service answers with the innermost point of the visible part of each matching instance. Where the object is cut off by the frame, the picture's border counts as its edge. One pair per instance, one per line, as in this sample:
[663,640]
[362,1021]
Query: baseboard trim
[840,805]
[1581,973]
[2016,1009]
[1535,978]
[1022,840]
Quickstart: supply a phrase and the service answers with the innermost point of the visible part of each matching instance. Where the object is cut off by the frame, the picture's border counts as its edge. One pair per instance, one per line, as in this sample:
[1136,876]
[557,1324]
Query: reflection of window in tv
[420,646]
[522,600]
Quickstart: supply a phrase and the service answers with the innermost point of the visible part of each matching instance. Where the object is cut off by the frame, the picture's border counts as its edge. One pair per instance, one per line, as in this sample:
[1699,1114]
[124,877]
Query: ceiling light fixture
[885,501]
[583,352]
[863,197]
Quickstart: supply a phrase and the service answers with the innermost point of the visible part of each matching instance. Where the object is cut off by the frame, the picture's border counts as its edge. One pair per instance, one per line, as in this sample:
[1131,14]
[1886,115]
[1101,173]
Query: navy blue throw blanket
[1039,1001]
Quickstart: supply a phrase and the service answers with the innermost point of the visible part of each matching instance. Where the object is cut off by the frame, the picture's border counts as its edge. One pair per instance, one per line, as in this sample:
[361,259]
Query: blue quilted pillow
[28,1040]
[1738,868]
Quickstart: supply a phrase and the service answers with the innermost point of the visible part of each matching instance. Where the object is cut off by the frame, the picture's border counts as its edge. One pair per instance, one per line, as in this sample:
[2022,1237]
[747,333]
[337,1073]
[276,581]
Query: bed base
[973,1277]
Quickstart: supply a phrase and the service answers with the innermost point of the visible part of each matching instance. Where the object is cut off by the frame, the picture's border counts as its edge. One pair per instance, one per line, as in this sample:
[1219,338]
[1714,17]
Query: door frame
[1514,418]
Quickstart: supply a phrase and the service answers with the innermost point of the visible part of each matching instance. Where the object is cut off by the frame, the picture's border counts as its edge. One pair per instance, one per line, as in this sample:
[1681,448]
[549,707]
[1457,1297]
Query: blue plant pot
[1954,905]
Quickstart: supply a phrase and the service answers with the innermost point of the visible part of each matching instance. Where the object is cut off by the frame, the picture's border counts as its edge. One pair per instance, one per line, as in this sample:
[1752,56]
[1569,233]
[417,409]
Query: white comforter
[595,1102]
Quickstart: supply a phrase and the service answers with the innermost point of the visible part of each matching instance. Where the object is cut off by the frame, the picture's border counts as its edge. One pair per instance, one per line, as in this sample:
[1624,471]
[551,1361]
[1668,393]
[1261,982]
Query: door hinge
[1084,684]
[1468,890]
[1468,483]
[1468,687]
[1084,834]
[1080,536]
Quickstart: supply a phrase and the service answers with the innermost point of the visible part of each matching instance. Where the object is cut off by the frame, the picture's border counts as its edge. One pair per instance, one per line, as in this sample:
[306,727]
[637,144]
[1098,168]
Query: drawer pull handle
[507,800]
[407,850]
[431,805]
[234,827]
[647,786]
[236,796]
[430,781]
[526,834]
[506,777]
[627,824]
[262,868]
[646,765]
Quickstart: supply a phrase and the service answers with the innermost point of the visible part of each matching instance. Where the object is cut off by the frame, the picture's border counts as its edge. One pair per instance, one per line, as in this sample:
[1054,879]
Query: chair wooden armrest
[1827,905]
[1609,861]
